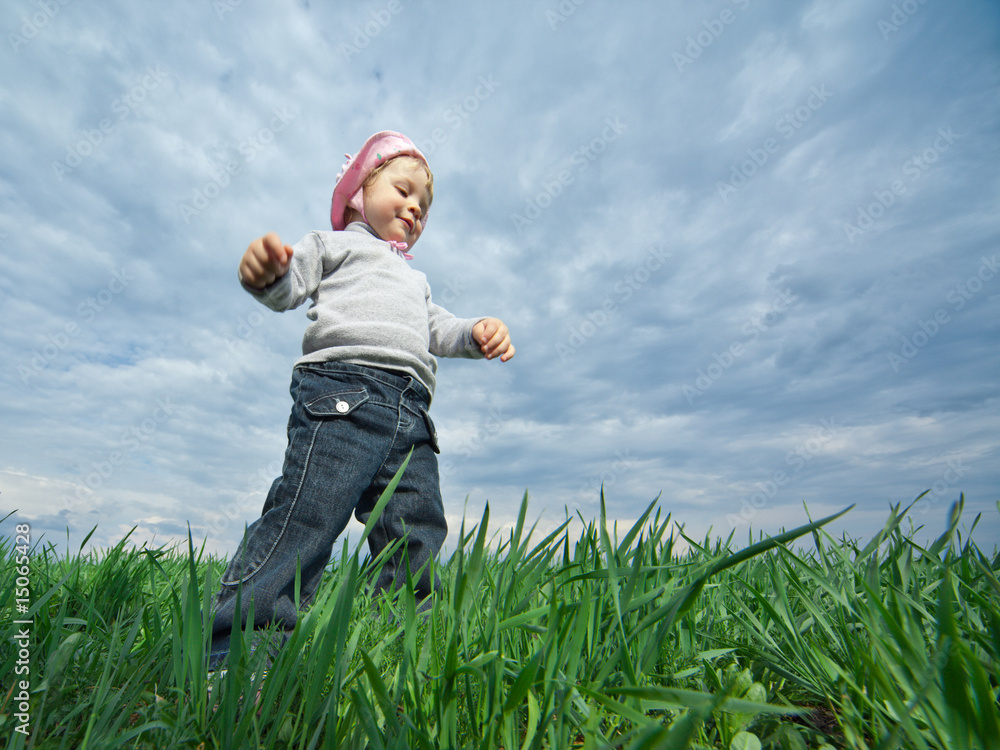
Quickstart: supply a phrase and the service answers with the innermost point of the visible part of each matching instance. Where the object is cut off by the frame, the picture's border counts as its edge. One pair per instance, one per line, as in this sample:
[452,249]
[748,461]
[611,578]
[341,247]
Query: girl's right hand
[265,261]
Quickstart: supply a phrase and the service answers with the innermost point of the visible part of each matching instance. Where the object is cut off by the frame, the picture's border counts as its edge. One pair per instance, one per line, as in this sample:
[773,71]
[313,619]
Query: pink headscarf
[349,191]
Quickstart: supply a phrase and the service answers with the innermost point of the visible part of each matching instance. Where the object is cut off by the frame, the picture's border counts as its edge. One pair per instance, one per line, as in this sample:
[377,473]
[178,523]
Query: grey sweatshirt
[369,307]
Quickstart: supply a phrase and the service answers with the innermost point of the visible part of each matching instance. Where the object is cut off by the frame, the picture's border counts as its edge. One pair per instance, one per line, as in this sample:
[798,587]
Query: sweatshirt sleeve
[302,279]
[450,336]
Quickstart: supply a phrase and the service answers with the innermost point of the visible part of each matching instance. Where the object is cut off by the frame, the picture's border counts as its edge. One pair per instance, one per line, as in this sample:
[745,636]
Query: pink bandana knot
[399,247]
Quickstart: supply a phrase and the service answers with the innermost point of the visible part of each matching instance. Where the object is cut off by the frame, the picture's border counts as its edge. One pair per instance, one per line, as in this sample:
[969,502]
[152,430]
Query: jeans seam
[291,509]
[380,523]
[390,448]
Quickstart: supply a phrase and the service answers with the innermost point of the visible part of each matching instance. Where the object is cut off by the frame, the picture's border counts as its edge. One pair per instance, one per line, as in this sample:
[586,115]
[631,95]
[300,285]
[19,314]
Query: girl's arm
[265,261]
[279,276]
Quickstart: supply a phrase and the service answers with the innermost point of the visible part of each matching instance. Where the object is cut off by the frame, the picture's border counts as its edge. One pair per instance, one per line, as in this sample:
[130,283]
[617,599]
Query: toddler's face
[397,201]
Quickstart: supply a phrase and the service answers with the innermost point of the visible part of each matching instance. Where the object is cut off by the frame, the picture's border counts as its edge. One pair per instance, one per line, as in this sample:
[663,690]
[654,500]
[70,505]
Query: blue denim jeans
[350,430]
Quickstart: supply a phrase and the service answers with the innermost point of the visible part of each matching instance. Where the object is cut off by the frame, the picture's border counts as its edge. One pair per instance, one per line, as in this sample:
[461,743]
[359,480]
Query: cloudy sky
[748,253]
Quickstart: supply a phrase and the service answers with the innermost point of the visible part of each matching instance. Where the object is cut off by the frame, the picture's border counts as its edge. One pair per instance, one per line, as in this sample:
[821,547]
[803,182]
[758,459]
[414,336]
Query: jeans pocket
[337,403]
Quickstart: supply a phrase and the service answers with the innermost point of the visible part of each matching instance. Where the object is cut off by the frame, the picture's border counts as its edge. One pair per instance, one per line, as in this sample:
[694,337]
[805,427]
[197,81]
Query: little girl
[361,390]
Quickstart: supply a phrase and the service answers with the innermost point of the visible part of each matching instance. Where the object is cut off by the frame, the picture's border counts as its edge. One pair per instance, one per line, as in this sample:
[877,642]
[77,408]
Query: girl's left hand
[493,338]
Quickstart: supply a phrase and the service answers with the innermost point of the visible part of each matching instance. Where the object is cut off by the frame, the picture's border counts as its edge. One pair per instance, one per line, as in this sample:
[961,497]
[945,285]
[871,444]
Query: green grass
[583,638]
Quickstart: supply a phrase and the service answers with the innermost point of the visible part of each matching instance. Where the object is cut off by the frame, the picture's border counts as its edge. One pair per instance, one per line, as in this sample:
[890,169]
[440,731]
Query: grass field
[589,637]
